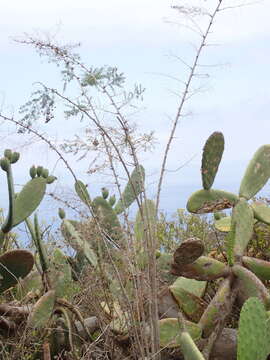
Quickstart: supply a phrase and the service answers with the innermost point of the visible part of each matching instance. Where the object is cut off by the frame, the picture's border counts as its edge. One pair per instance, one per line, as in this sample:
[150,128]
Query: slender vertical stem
[184,98]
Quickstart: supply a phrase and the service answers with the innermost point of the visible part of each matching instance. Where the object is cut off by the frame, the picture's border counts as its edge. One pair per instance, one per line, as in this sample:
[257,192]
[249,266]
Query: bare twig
[184,99]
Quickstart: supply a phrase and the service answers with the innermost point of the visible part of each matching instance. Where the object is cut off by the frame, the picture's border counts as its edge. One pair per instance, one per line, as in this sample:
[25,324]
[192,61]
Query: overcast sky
[142,38]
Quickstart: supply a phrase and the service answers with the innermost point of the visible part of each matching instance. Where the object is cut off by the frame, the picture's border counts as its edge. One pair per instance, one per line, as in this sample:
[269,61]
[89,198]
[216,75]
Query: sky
[143,39]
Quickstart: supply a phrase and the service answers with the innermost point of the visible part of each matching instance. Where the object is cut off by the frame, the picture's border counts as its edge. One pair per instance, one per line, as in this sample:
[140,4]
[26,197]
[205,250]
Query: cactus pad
[242,220]
[189,251]
[257,173]
[259,267]
[29,199]
[133,188]
[31,283]
[251,286]
[212,154]
[204,268]
[252,336]
[42,311]
[149,213]
[74,239]
[170,332]
[223,224]
[189,348]
[217,308]
[205,201]
[192,305]
[14,264]
[107,217]
[261,212]
[82,192]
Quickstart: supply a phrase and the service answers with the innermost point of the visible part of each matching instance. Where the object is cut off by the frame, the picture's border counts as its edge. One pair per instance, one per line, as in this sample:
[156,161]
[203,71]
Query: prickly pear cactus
[133,189]
[253,336]
[14,265]
[242,275]
[212,154]
[257,173]
[42,311]
[82,192]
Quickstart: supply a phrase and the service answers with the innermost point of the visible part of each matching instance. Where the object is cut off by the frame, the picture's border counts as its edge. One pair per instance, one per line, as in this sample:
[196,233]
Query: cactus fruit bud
[33,171]
[50,179]
[105,193]
[14,157]
[5,164]
[8,154]
[45,173]
[61,213]
[112,200]
[39,170]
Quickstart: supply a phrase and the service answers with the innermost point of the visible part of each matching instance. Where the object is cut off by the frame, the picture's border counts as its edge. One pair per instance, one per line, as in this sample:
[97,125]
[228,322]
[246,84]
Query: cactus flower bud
[5,164]
[45,173]
[39,170]
[33,171]
[50,179]
[61,213]
[105,193]
[8,154]
[14,157]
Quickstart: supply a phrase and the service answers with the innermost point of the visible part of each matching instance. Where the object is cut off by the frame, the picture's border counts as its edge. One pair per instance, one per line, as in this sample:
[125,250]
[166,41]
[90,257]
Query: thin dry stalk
[184,98]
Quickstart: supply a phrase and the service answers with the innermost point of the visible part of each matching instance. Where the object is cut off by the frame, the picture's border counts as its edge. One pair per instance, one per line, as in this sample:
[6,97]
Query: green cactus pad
[261,212]
[29,199]
[170,332]
[251,286]
[192,286]
[217,307]
[82,192]
[149,213]
[252,338]
[42,311]
[189,251]
[243,220]
[192,305]
[259,267]
[107,217]
[257,173]
[212,154]
[133,188]
[14,264]
[31,283]
[223,224]
[74,239]
[189,348]
[164,262]
[205,201]
[204,268]
[61,276]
